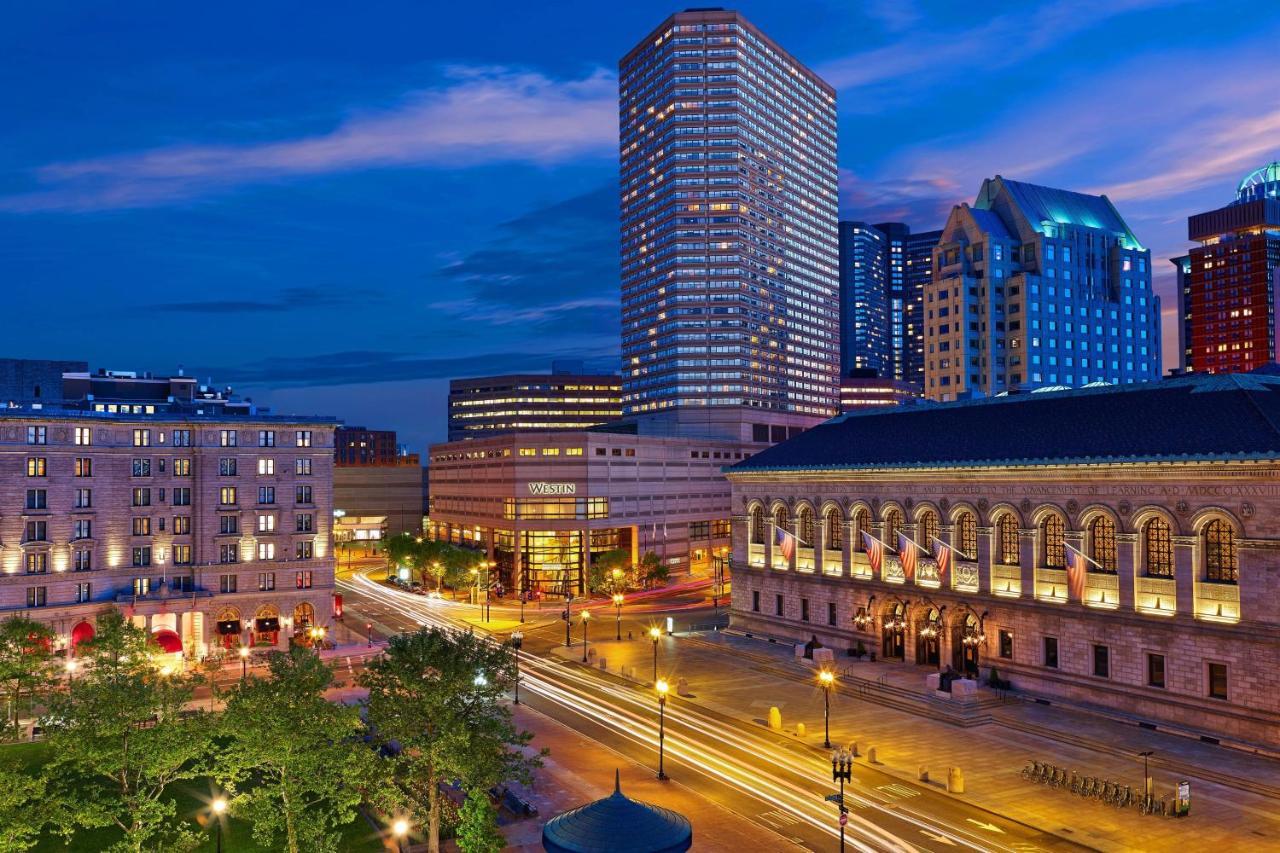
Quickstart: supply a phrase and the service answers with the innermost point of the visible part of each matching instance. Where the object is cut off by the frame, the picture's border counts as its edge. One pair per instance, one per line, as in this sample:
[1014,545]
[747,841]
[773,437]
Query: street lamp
[826,678]
[1146,777]
[71,673]
[617,603]
[399,830]
[661,687]
[586,617]
[368,631]
[655,634]
[841,771]
[475,585]
[244,662]
[219,805]
[517,640]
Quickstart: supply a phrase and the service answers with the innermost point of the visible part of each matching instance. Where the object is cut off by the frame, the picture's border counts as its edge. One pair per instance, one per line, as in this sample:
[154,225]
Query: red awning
[81,633]
[167,640]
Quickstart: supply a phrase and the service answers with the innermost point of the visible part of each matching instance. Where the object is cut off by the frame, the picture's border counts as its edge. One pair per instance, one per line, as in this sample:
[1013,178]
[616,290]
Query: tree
[651,570]
[435,697]
[119,742]
[401,550]
[24,662]
[22,810]
[600,577]
[478,827]
[294,762]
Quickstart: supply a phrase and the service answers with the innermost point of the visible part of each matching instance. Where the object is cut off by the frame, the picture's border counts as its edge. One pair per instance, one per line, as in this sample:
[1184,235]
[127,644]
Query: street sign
[835,798]
[844,818]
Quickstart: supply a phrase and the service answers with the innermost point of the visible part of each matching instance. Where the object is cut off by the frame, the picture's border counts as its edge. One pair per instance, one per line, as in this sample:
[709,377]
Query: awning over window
[266,625]
[230,626]
[167,640]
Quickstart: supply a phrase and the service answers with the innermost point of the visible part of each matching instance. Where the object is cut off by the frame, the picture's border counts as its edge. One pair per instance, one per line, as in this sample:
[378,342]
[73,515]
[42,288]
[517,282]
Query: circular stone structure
[617,824]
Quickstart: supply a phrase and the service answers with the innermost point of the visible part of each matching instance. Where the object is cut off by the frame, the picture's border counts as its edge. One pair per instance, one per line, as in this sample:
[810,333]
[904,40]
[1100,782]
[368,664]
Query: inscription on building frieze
[1015,491]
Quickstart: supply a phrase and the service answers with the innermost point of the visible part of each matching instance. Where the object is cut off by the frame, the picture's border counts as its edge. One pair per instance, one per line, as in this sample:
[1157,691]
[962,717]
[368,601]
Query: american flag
[875,552]
[785,541]
[1076,570]
[942,554]
[907,555]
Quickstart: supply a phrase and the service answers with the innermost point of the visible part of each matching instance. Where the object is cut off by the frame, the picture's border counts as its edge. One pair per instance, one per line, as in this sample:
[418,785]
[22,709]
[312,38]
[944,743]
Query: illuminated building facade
[908,271]
[357,445]
[490,405]
[1161,494]
[1231,279]
[208,529]
[864,320]
[1036,287]
[729,227]
[863,390]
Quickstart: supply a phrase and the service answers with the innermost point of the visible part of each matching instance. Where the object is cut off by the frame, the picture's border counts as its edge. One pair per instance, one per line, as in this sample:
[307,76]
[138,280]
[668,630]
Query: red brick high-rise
[1229,298]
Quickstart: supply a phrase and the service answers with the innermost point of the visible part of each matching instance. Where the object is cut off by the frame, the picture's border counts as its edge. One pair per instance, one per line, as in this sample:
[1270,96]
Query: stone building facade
[208,530]
[1114,548]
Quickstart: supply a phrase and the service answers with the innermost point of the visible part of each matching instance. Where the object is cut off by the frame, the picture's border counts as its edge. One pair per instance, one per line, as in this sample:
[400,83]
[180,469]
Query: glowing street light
[618,598]
[517,640]
[586,617]
[244,662]
[655,634]
[219,807]
[400,829]
[661,687]
[826,678]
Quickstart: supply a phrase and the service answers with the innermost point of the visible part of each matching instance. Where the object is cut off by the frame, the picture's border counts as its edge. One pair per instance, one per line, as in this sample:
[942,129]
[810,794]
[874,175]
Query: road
[776,782]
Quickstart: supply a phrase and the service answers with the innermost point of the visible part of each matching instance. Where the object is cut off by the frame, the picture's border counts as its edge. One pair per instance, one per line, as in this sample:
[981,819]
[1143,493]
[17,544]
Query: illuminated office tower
[730,311]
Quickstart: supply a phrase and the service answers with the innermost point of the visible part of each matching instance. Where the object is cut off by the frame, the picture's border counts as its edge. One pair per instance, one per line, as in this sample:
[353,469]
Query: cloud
[893,15]
[290,299]
[479,115]
[923,203]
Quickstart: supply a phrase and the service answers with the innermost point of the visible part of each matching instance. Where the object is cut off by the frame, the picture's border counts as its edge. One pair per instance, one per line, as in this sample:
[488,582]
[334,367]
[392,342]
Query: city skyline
[239,194]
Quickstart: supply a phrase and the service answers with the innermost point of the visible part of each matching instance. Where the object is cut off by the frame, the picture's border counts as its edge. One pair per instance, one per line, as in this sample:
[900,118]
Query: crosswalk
[897,791]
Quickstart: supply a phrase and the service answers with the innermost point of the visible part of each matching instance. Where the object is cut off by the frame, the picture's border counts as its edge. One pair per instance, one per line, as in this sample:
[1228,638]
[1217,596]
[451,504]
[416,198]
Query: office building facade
[862,390]
[729,225]
[908,271]
[1038,287]
[864,292]
[1231,279]
[1104,547]
[492,405]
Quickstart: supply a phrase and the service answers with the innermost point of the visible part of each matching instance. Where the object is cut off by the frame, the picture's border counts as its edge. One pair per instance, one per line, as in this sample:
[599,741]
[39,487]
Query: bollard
[871,755]
[682,687]
[800,730]
[775,719]
[923,774]
[602,662]
[853,749]
[955,781]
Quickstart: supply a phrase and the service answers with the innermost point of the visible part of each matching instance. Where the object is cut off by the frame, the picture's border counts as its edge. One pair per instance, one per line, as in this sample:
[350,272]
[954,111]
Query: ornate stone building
[1110,547]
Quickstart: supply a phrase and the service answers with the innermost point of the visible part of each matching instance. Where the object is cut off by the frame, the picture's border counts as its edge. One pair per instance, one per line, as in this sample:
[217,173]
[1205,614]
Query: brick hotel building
[1169,490]
[203,519]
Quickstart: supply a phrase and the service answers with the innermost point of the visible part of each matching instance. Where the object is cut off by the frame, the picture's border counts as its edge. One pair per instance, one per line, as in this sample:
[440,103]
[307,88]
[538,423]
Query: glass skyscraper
[864,322]
[729,216]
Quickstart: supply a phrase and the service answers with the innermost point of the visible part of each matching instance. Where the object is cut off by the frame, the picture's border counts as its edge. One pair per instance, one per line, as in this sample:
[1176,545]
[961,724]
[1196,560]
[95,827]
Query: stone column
[819,545]
[1184,573]
[947,533]
[739,539]
[768,544]
[877,530]
[1126,567]
[986,559]
[1075,539]
[1027,559]
[846,550]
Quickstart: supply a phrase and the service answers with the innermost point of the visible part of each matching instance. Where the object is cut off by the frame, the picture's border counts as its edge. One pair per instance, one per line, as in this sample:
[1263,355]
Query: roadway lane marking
[941,839]
[897,792]
[778,818]
[989,827]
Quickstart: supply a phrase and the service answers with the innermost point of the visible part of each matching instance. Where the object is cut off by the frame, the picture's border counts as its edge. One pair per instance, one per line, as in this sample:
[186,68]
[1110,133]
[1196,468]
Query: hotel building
[1173,618]
[203,519]
[864,293]
[562,400]
[1230,279]
[729,245]
[1035,286]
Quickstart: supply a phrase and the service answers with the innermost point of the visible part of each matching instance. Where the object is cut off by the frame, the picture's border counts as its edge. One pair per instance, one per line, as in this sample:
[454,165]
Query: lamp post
[567,615]
[841,771]
[586,617]
[71,674]
[517,640]
[399,830]
[826,678]
[368,632]
[219,805]
[655,634]
[435,570]
[617,603]
[475,585]
[1146,777]
[244,662]
[661,687]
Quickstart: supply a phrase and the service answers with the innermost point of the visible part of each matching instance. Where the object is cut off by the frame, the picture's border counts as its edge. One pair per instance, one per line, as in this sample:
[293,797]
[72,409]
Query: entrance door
[894,642]
[927,649]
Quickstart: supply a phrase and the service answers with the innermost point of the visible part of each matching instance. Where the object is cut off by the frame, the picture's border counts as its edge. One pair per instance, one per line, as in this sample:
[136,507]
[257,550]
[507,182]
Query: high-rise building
[729,221]
[1229,303]
[864,326]
[910,269]
[490,405]
[357,445]
[1182,273]
[1037,287]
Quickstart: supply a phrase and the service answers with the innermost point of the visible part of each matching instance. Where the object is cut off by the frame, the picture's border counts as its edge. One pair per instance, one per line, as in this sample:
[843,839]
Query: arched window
[1220,552]
[892,524]
[1157,541]
[861,525]
[834,533]
[1010,550]
[780,518]
[757,525]
[1102,544]
[928,530]
[1051,533]
[967,528]
[804,527]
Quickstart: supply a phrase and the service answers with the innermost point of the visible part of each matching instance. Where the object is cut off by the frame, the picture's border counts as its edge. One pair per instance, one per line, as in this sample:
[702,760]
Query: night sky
[337,207]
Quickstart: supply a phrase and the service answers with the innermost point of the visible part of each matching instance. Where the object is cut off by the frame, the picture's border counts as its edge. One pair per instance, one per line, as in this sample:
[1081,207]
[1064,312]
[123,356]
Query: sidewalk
[877,707]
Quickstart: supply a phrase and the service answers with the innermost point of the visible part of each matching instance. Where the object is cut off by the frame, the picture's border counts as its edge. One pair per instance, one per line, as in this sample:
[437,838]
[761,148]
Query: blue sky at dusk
[337,207]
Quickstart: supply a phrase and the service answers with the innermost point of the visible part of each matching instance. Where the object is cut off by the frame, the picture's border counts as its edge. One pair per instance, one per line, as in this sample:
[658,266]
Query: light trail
[765,772]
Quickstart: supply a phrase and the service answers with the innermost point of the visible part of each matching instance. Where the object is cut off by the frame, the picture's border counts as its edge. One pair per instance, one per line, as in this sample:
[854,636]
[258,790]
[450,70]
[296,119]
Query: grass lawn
[193,799]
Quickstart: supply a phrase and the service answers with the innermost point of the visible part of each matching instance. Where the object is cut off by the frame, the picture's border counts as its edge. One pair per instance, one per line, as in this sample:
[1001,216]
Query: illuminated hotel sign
[553,488]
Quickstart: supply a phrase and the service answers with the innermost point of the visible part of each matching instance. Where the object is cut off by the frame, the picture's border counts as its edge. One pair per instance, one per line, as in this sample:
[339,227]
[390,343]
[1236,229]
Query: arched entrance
[228,627]
[82,632]
[304,616]
[266,625]
[894,629]
[967,646]
[929,639]
[168,641]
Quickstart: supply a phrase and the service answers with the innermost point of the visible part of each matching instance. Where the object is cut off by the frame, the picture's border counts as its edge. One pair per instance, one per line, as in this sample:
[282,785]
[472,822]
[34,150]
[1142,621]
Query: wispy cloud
[289,299]
[923,202]
[479,115]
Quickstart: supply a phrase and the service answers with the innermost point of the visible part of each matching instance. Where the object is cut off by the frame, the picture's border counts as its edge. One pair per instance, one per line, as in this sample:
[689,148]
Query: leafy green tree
[652,571]
[119,742]
[478,827]
[24,663]
[401,550]
[600,577]
[22,811]
[294,762]
[437,696]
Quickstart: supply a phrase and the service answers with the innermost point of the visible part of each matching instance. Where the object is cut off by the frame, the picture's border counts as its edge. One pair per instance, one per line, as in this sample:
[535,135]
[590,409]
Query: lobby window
[1006,644]
[1217,677]
[37,435]
[1051,652]
[1052,535]
[1102,661]
[804,610]
[777,605]
[1157,543]
[1155,670]
[755,601]
[831,613]
[1220,564]
[37,466]
[84,436]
